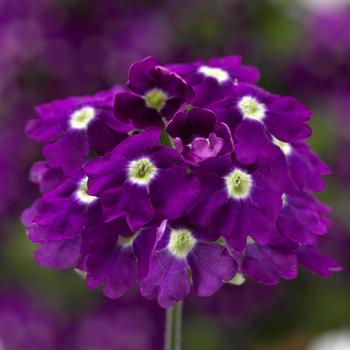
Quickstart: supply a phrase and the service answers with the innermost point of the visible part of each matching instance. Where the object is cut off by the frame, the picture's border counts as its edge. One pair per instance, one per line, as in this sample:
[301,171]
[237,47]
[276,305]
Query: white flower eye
[219,74]
[251,108]
[81,118]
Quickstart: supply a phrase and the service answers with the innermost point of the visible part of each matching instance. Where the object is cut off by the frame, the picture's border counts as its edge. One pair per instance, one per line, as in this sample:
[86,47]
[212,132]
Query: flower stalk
[173,327]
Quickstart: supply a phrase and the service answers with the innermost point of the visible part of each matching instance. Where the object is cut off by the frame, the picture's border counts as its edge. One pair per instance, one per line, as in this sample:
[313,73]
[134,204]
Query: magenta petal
[252,143]
[140,79]
[58,254]
[130,200]
[265,265]
[233,224]
[211,265]
[173,192]
[69,152]
[167,280]
[313,260]
[136,144]
[144,245]
[116,270]
[105,173]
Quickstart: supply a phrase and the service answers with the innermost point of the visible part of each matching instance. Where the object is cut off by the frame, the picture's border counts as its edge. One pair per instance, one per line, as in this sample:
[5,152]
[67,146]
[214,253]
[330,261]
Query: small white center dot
[81,118]
[219,74]
[181,242]
[238,184]
[82,192]
[285,147]
[141,171]
[251,108]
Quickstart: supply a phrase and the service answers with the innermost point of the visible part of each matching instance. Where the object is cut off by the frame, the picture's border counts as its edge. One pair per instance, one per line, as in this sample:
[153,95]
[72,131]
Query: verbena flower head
[192,178]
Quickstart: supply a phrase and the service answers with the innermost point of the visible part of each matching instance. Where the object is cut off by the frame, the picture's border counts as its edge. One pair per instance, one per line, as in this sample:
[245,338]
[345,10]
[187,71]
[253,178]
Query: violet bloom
[184,249]
[56,222]
[156,93]
[142,180]
[71,128]
[224,71]
[264,118]
[198,136]
[116,257]
[239,200]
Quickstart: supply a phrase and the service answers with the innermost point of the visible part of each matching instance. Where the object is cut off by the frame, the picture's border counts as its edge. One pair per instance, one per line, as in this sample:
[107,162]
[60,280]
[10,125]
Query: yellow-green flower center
[181,242]
[251,108]
[238,184]
[81,118]
[126,241]
[142,171]
[156,99]
[82,192]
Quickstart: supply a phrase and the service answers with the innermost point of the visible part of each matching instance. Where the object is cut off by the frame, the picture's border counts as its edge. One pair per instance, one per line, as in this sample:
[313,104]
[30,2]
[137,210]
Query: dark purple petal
[69,152]
[167,280]
[105,173]
[140,79]
[211,265]
[130,200]
[116,269]
[312,259]
[252,144]
[127,106]
[202,121]
[144,245]
[102,138]
[179,127]
[265,264]
[173,192]
[59,254]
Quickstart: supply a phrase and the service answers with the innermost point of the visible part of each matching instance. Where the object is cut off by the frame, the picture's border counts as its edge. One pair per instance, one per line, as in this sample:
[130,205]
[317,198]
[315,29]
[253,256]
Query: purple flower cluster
[190,178]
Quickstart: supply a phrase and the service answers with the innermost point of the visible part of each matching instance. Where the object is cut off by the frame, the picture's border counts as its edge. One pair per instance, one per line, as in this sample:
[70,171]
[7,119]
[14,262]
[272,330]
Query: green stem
[165,139]
[173,327]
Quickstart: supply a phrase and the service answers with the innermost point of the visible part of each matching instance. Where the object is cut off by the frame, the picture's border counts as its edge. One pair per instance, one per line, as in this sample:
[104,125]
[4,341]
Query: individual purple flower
[156,93]
[224,70]
[182,249]
[198,136]
[71,128]
[56,222]
[116,257]
[264,117]
[142,180]
[241,201]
